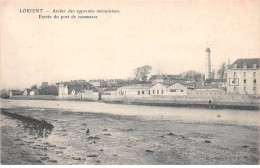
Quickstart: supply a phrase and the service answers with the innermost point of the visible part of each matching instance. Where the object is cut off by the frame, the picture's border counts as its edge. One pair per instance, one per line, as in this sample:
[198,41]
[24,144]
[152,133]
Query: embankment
[40,128]
[190,103]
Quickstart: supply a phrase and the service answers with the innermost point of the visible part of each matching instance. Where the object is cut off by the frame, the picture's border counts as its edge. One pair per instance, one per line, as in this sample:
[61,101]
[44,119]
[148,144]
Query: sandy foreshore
[116,139]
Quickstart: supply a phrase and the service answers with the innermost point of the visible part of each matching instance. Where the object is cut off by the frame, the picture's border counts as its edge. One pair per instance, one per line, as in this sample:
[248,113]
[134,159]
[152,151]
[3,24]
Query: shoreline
[186,104]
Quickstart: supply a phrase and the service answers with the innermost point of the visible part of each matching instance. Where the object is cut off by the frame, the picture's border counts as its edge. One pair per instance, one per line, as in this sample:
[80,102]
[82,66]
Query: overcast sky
[171,34]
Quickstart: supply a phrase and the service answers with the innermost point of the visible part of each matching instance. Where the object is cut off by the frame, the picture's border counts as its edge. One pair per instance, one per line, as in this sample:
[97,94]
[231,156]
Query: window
[157,91]
[149,92]
[254,66]
[138,92]
[235,89]
[254,89]
[235,66]
[244,66]
[153,91]
[244,80]
[235,74]
[142,92]
[172,90]
[254,74]
[254,80]
[162,91]
[244,74]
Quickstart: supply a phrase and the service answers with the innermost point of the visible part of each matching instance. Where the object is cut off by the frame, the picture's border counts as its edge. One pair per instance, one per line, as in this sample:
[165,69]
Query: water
[243,117]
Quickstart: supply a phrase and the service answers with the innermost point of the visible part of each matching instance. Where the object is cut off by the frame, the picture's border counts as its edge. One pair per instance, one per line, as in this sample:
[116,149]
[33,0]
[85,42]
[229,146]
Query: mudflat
[100,138]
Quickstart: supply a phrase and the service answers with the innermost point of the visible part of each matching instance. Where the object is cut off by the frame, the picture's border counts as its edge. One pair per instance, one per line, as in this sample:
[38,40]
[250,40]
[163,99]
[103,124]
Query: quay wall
[184,101]
[176,101]
[51,97]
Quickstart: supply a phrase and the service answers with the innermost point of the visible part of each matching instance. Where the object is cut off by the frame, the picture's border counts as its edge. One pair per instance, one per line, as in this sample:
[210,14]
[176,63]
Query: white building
[138,90]
[222,83]
[243,76]
[26,92]
[63,91]
[158,89]
[177,89]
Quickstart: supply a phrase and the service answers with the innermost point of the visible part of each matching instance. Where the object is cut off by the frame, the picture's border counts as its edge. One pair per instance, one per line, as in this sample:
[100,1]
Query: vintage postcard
[134,82]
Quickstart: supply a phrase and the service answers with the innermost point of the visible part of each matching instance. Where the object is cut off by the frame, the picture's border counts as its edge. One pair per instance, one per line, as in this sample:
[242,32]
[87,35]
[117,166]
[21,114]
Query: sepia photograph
[134,82]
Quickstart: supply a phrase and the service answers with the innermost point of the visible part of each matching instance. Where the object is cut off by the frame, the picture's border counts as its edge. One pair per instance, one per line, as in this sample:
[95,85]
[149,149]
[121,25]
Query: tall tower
[208,65]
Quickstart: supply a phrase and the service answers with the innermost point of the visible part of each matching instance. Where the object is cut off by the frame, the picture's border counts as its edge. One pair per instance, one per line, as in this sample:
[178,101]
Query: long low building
[158,89]
[196,91]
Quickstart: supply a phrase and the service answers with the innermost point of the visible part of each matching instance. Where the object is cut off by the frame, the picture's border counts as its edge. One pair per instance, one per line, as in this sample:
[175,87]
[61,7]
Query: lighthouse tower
[208,66]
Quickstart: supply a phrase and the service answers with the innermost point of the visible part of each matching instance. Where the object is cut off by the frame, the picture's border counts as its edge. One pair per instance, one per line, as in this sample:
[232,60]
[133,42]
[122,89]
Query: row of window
[154,92]
[157,91]
[244,74]
[245,89]
[254,80]
[244,66]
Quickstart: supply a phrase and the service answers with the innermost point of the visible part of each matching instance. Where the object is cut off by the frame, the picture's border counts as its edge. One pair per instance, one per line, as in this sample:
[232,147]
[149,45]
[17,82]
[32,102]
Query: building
[77,89]
[14,93]
[99,83]
[158,89]
[63,91]
[26,92]
[178,89]
[243,77]
[33,92]
[166,79]
[87,95]
[222,83]
[134,90]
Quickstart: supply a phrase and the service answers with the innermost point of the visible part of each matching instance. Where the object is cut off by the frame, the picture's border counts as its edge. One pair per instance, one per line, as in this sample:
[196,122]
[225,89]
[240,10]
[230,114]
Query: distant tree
[192,74]
[142,72]
[222,70]
[34,87]
[213,74]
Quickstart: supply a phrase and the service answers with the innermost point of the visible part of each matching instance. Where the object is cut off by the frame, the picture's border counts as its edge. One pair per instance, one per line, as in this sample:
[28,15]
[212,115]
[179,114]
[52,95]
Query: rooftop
[219,80]
[249,62]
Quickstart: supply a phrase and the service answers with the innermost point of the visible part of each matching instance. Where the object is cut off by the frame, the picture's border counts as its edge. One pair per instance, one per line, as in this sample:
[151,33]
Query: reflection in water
[40,128]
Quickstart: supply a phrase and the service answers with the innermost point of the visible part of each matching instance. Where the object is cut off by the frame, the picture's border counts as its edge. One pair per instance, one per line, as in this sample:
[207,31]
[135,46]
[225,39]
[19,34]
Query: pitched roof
[137,86]
[161,84]
[219,80]
[189,86]
[249,62]
[154,77]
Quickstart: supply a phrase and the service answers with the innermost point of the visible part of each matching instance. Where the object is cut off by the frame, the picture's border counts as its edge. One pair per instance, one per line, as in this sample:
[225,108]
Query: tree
[192,74]
[142,72]
[222,71]
[34,87]
[213,74]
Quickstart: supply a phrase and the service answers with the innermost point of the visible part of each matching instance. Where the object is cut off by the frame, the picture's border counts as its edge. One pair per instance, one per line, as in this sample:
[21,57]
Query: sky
[170,34]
